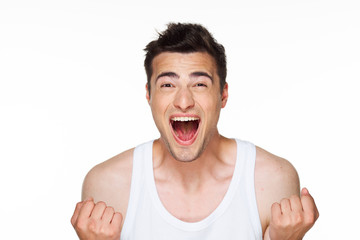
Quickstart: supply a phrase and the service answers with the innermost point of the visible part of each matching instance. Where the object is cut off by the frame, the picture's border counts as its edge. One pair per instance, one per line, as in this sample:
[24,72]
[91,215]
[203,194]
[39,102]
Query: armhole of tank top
[134,192]
[251,190]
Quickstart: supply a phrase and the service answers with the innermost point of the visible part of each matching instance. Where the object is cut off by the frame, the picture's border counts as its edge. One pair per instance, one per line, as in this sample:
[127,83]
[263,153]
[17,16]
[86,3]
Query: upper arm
[96,184]
[110,181]
[275,179]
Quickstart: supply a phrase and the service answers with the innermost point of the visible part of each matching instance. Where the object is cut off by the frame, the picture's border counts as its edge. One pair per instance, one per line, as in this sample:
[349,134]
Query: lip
[178,140]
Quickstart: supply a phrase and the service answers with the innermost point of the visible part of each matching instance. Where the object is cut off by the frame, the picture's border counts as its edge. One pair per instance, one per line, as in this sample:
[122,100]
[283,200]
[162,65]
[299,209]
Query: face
[185,101]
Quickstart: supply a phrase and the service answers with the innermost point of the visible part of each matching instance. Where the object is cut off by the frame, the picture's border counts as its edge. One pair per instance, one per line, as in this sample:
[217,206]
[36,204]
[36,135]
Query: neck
[192,175]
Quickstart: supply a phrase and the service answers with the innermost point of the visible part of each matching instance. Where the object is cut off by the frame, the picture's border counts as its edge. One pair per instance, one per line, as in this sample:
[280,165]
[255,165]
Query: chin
[185,156]
[184,153]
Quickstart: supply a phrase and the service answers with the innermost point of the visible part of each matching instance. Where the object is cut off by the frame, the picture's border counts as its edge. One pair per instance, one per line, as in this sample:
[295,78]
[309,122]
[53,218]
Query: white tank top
[236,217]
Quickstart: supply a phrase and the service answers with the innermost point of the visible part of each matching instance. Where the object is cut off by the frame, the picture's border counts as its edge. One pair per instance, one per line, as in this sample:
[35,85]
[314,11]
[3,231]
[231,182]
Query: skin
[188,176]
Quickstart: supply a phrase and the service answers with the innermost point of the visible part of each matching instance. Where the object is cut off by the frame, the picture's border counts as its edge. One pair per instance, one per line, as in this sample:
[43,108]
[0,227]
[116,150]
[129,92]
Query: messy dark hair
[186,38]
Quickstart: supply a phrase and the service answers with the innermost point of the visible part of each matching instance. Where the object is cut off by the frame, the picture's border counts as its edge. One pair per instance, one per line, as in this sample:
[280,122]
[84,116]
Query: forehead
[183,62]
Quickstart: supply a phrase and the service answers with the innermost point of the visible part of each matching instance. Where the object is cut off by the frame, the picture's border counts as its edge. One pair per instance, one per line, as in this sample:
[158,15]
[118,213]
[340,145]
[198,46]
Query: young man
[192,183]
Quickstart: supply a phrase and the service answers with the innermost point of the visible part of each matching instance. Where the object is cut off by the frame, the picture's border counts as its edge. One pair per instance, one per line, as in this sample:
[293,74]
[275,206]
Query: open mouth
[185,128]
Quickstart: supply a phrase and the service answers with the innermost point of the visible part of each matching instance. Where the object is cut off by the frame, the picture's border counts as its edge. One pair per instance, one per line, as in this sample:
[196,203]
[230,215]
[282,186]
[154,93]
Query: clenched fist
[96,221]
[292,217]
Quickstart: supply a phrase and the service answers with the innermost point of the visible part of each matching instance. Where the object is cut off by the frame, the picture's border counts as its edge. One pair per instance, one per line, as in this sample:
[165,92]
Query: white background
[72,94]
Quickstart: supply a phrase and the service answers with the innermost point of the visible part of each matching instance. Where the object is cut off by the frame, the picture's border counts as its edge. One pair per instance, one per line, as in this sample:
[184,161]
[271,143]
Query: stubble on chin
[186,155]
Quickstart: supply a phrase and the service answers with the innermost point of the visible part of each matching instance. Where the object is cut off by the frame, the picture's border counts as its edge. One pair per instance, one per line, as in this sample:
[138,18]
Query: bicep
[89,185]
[97,184]
[285,181]
[275,179]
[110,181]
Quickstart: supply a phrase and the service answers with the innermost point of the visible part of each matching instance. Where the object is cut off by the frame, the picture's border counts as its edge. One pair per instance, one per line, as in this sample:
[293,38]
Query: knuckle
[92,225]
[106,231]
[284,201]
[103,230]
[286,223]
[73,221]
[316,212]
[298,217]
[294,197]
[310,218]
[111,233]
[89,203]
[101,204]
[278,220]
[275,205]
[80,224]
[110,209]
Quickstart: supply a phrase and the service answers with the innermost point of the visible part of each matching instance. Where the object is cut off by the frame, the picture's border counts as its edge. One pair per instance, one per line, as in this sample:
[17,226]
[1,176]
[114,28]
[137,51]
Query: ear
[147,93]
[224,96]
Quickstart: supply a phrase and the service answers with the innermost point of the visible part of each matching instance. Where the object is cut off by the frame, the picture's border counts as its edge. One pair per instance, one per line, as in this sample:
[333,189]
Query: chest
[212,213]
[195,205]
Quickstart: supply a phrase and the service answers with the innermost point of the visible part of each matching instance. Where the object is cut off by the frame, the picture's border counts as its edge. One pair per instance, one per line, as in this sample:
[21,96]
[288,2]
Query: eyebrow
[201,74]
[194,74]
[167,74]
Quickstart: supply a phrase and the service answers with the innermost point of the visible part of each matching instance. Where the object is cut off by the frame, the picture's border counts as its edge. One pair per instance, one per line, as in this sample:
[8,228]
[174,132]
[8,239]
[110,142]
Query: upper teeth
[184,119]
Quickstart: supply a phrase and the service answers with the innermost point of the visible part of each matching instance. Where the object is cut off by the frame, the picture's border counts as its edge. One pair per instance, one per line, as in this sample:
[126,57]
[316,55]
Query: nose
[184,99]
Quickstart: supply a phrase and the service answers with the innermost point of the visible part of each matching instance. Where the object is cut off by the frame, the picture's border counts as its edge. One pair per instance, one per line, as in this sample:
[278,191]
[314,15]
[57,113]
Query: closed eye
[166,85]
[201,85]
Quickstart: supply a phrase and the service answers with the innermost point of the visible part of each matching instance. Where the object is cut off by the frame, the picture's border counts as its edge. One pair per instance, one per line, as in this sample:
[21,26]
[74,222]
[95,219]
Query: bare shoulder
[110,181]
[275,173]
[275,179]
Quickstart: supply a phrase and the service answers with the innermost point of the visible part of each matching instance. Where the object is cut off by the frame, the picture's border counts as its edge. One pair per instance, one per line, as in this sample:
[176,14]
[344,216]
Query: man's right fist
[96,221]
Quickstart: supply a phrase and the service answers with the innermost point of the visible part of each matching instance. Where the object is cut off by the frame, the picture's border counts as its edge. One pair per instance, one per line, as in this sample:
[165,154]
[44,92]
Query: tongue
[185,130]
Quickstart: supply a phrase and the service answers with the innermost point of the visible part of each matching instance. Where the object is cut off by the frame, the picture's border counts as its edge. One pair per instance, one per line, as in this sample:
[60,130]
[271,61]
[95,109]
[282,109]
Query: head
[186,72]
[186,38]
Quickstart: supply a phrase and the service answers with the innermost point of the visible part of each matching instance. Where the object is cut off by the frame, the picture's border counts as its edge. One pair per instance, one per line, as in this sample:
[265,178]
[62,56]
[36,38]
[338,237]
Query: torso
[192,206]
[110,182]
[194,203]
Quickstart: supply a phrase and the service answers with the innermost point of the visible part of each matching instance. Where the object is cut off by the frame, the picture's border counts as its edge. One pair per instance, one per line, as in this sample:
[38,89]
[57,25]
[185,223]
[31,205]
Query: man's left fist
[293,217]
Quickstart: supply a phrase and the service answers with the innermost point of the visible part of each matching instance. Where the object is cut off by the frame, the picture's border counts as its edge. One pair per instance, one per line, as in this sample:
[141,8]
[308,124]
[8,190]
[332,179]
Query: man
[192,183]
